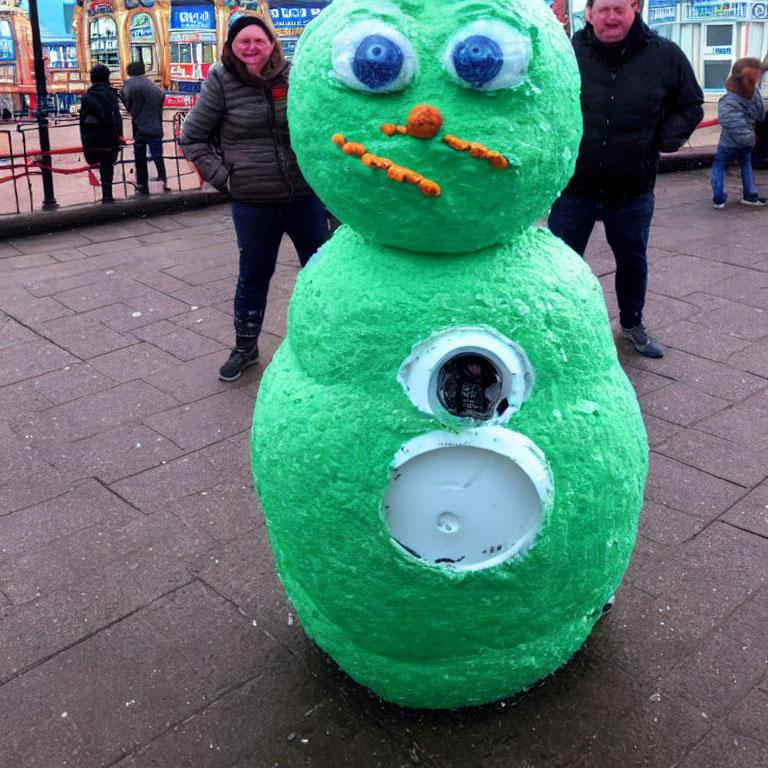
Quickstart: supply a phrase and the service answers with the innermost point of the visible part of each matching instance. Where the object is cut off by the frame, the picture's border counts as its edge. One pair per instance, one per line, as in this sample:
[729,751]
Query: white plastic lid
[467,501]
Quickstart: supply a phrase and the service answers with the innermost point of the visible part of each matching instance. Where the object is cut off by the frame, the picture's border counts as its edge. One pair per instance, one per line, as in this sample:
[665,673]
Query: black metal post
[49,201]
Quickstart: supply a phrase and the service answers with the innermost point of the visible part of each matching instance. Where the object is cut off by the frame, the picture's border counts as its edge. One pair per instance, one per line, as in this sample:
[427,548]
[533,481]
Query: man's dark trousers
[140,144]
[627,224]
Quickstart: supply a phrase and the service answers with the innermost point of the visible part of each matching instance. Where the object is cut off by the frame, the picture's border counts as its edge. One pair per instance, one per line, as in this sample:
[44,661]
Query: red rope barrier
[75,150]
[33,167]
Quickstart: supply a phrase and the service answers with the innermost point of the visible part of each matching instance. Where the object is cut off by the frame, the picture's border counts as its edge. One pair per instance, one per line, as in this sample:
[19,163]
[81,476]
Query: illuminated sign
[193,17]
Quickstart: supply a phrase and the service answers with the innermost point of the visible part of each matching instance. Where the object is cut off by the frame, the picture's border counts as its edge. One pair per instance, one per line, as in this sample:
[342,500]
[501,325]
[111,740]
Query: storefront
[17,82]
[116,32]
[63,77]
[141,31]
[289,17]
[713,34]
[193,48]
[177,40]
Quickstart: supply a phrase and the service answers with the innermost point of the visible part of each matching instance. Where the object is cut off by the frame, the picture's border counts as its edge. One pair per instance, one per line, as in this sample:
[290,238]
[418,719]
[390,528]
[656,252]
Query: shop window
[209,55]
[103,39]
[716,73]
[144,54]
[719,34]
[7,52]
[142,36]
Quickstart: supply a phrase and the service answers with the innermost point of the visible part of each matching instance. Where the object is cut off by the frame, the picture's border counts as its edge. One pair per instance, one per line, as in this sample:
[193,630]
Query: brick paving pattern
[141,621]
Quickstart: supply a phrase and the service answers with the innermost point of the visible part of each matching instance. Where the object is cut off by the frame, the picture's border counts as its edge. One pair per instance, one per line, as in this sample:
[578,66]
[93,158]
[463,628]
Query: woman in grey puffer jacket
[737,112]
[237,137]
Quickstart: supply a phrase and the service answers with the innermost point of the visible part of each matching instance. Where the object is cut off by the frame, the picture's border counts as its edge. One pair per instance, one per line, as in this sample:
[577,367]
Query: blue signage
[294,15]
[193,17]
[141,33]
[7,52]
[662,14]
[717,10]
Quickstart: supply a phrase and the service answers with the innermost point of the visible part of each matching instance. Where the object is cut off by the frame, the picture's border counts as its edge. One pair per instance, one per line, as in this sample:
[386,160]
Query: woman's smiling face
[253,47]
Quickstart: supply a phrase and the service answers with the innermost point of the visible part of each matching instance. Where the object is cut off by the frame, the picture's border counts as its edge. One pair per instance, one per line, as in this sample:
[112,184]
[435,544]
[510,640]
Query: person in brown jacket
[237,137]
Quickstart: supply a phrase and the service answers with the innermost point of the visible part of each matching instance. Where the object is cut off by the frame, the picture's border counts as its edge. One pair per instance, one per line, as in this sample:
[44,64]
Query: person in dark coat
[237,137]
[144,102]
[101,128]
[639,97]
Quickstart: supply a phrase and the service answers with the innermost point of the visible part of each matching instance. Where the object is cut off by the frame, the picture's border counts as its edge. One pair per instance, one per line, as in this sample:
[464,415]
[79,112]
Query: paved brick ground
[141,622]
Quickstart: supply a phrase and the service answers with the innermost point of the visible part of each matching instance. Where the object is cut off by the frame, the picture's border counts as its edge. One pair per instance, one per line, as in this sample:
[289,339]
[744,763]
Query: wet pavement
[141,621]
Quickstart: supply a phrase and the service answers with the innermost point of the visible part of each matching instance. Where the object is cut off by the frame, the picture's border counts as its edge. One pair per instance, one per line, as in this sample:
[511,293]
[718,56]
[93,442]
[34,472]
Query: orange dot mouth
[475,149]
[395,172]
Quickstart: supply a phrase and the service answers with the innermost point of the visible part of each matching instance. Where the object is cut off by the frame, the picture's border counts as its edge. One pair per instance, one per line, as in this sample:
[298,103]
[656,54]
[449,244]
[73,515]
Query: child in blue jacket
[737,112]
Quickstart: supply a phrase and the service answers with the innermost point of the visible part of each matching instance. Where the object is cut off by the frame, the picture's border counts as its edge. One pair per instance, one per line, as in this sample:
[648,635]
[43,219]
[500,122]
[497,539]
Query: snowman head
[436,126]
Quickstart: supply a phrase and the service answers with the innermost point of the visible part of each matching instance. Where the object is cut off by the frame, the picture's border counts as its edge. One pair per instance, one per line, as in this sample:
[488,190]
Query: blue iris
[477,59]
[377,61]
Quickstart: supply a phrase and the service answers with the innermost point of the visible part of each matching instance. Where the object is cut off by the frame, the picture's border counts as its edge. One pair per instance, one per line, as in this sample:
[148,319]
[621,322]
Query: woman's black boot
[245,353]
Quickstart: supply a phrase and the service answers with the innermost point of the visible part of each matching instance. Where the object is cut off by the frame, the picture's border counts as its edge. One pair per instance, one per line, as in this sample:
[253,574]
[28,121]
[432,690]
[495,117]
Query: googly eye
[374,57]
[489,56]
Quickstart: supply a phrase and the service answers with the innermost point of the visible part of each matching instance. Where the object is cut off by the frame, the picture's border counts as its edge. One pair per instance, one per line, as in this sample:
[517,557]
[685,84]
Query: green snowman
[450,459]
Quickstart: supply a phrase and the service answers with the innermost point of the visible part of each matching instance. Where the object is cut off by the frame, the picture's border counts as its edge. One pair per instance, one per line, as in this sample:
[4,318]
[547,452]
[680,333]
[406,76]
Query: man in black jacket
[639,97]
[101,128]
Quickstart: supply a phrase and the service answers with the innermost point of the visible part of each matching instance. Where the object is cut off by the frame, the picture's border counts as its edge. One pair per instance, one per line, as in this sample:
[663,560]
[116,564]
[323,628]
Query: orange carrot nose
[423,122]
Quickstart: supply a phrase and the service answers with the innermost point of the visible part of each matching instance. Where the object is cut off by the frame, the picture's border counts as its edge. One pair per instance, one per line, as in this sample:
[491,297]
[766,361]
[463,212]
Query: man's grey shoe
[644,343]
[239,360]
[756,200]
[718,206]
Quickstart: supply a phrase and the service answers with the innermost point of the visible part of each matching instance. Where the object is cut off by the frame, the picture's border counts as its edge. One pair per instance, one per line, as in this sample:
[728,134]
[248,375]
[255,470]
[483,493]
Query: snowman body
[449,457]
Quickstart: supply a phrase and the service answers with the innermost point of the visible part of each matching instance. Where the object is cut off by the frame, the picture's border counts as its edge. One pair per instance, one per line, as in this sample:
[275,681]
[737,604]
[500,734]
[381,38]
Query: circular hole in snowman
[467,374]
[467,501]
[469,386]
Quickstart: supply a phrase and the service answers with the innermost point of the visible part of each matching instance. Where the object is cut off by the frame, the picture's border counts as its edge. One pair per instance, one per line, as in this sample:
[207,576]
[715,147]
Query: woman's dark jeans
[627,224]
[259,228]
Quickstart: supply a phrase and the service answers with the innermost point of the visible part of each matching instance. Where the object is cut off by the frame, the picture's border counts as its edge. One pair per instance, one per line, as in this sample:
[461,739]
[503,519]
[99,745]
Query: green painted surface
[331,414]
[536,126]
